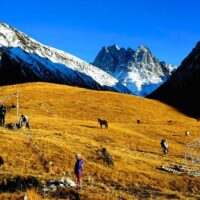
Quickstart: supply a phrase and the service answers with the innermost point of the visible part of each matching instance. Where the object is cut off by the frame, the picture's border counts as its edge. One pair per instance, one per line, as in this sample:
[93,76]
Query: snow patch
[10,37]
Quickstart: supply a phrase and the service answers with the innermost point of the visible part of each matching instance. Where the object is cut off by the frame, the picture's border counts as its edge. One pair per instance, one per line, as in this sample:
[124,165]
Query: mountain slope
[181,90]
[138,70]
[30,60]
[60,130]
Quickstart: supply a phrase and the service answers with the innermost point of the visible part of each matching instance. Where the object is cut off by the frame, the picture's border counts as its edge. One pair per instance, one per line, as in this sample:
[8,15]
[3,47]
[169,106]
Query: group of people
[78,168]
[23,119]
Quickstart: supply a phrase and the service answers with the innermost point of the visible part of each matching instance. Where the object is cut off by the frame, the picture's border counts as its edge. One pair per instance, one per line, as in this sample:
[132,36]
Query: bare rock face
[138,70]
[181,90]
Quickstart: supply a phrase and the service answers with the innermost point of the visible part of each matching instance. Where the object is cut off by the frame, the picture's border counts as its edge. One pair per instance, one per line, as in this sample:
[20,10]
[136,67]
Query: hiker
[2,115]
[78,168]
[24,119]
[1,161]
[164,145]
[187,133]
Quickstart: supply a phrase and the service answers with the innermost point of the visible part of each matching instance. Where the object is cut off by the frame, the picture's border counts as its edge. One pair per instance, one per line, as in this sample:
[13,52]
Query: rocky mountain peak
[136,69]
[143,48]
[197,45]
[114,48]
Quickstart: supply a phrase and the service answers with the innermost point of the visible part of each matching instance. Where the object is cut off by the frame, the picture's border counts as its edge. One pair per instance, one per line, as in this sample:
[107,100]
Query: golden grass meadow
[63,121]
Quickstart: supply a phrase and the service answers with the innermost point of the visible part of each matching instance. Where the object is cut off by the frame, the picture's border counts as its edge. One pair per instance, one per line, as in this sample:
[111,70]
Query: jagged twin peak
[138,70]
[23,59]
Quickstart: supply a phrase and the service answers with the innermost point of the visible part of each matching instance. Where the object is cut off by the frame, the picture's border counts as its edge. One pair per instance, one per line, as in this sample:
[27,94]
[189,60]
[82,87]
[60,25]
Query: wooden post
[17,106]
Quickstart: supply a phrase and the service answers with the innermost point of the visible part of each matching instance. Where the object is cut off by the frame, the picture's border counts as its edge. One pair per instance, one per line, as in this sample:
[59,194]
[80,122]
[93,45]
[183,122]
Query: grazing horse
[164,145]
[138,121]
[103,123]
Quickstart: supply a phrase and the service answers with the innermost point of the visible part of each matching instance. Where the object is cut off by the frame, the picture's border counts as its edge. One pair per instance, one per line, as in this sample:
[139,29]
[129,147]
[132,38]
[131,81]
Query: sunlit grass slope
[64,121]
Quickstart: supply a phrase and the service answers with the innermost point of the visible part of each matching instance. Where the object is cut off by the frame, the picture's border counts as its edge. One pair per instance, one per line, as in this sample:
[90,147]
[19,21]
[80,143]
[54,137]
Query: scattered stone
[68,182]
[36,147]
[53,185]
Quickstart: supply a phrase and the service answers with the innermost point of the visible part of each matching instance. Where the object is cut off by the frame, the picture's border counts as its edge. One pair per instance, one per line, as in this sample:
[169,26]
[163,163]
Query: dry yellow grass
[64,121]
[33,195]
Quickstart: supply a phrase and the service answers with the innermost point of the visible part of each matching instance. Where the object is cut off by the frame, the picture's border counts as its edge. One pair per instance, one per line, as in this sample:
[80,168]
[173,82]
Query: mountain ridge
[43,60]
[181,89]
[139,70]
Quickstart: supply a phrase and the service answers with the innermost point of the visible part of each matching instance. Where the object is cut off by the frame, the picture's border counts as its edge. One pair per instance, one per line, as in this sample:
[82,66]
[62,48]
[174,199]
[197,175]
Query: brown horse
[102,123]
[138,121]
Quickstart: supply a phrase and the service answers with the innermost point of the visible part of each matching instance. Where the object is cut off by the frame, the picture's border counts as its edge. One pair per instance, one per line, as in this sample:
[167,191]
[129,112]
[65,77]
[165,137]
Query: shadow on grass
[87,126]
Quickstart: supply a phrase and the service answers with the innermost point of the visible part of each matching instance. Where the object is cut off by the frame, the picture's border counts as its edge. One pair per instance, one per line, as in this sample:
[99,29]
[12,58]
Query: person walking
[2,115]
[78,169]
[24,119]
[165,146]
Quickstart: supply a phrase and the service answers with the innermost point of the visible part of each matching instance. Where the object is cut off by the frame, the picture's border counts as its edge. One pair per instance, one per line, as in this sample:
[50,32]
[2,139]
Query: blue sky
[170,28]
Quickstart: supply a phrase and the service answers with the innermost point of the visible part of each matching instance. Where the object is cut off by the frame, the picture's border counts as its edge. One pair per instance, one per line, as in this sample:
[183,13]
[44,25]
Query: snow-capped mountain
[138,70]
[23,59]
[181,90]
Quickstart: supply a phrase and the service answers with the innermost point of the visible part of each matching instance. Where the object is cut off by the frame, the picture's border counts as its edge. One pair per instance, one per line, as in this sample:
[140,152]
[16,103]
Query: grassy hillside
[64,121]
